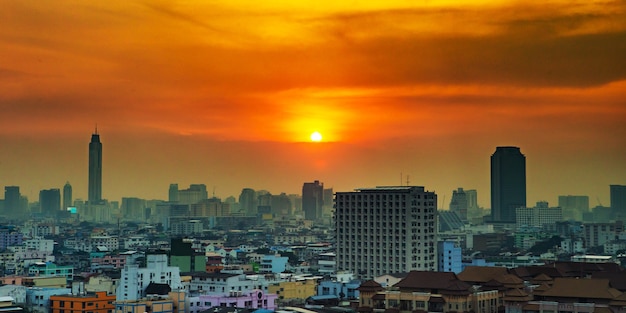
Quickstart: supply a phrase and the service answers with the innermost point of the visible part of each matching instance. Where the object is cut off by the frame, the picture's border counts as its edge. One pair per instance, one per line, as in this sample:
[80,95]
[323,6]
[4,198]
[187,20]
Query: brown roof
[511,281]
[481,274]
[493,285]
[457,287]
[581,269]
[528,272]
[422,280]
[617,280]
[370,285]
[541,278]
[517,295]
[582,288]
[541,289]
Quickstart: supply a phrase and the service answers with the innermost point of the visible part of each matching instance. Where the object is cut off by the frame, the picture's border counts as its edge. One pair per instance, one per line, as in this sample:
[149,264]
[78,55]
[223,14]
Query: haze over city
[228,94]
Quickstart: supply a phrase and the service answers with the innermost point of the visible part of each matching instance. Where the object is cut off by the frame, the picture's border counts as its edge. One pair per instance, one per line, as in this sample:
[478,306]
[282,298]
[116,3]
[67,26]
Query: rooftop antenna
[96,128]
[407,180]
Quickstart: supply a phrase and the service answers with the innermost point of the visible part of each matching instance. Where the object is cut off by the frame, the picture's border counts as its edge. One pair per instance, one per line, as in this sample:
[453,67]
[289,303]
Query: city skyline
[228,94]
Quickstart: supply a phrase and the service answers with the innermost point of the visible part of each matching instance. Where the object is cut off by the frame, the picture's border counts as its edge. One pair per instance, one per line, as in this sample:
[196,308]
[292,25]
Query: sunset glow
[231,91]
[316,137]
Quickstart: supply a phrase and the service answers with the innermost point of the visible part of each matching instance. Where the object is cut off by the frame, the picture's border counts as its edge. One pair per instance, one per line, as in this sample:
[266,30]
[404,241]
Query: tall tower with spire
[95,169]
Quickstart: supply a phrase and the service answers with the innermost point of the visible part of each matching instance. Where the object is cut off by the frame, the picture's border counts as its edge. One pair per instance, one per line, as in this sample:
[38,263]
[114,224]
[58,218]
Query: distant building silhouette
[67,196]
[574,207]
[508,184]
[248,202]
[50,202]
[194,194]
[312,200]
[386,230]
[95,169]
[173,193]
[14,203]
[459,203]
[618,201]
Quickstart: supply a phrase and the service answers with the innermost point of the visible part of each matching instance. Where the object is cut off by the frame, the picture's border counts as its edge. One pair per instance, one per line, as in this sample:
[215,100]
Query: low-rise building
[98,302]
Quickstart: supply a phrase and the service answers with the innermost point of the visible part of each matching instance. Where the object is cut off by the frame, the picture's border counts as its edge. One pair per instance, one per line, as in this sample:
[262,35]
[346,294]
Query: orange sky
[226,93]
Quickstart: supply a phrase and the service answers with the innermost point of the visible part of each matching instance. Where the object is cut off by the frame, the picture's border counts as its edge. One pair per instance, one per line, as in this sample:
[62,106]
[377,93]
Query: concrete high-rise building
[194,194]
[67,196]
[312,200]
[618,201]
[458,203]
[50,202]
[508,184]
[574,207]
[386,230]
[247,201]
[173,193]
[95,169]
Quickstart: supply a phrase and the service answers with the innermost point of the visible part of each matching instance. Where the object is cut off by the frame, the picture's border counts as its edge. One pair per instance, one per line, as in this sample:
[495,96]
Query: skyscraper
[248,201]
[13,204]
[386,230]
[67,196]
[618,201]
[50,202]
[508,183]
[312,200]
[173,193]
[95,169]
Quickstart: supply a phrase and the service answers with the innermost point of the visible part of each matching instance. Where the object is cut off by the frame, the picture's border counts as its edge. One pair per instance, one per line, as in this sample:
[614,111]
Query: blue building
[449,257]
[273,264]
[342,290]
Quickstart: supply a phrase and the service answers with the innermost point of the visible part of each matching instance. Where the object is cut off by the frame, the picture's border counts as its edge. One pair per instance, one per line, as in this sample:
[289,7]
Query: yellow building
[294,289]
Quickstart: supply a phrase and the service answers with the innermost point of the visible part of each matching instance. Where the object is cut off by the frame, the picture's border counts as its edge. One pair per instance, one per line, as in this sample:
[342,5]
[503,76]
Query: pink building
[108,261]
[255,299]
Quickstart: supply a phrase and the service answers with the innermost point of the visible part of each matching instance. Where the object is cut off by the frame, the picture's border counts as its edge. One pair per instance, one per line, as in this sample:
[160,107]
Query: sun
[316,136]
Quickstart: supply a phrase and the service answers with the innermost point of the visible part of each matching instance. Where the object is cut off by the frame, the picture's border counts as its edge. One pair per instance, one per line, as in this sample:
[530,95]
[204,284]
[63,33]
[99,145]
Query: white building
[110,242]
[386,230]
[40,244]
[539,216]
[327,262]
[134,280]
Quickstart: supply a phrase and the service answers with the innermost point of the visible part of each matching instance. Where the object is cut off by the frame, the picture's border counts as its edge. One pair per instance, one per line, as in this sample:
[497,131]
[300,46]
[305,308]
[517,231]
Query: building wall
[386,230]
[100,302]
[450,257]
[294,289]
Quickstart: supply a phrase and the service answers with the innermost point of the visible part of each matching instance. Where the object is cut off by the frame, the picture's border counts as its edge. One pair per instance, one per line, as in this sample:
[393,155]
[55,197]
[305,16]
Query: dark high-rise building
[67,196]
[12,201]
[95,169]
[50,202]
[248,202]
[618,201]
[312,200]
[508,183]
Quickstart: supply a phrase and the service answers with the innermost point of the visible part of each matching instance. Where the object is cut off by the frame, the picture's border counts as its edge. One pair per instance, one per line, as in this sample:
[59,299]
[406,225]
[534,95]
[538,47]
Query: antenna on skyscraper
[96,129]
[407,180]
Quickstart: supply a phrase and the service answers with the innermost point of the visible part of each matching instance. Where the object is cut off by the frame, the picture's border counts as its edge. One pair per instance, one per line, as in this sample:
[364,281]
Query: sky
[227,93]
